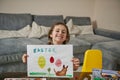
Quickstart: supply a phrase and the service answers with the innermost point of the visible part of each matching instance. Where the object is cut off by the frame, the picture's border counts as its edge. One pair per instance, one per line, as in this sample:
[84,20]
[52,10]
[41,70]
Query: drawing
[42,61]
[50,61]
[62,72]
[58,62]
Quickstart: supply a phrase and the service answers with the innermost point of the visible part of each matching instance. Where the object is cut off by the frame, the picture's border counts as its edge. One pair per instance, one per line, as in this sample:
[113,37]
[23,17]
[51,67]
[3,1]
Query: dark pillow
[47,20]
[14,21]
[78,20]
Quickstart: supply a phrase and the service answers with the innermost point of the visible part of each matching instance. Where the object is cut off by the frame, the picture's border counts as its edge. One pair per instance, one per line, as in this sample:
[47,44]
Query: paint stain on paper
[58,63]
[52,59]
[41,61]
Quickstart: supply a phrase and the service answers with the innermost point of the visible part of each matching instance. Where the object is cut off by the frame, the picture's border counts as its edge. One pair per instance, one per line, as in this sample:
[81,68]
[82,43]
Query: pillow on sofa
[83,23]
[85,29]
[73,30]
[38,31]
[24,32]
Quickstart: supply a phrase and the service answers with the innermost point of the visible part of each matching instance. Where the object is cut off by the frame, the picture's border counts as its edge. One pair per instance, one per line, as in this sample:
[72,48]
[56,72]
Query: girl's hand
[24,58]
[76,63]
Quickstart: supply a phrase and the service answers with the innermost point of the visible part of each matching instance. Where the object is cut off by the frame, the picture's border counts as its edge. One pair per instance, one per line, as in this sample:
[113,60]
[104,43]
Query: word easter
[44,50]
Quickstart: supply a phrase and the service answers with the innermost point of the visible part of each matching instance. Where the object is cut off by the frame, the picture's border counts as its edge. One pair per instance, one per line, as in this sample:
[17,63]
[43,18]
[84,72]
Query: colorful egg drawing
[52,59]
[41,61]
[58,63]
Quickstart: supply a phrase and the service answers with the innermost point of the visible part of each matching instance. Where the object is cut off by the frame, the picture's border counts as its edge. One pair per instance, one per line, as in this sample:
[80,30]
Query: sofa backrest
[47,20]
[14,21]
[79,20]
[9,21]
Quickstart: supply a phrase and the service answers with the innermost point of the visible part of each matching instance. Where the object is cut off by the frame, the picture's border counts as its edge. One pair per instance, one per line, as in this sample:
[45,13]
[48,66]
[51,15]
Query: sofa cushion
[47,20]
[94,38]
[111,46]
[73,30]
[12,49]
[79,20]
[111,54]
[14,21]
[85,29]
[38,31]
[24,32]
[79,47]
[13,67]
[108,33]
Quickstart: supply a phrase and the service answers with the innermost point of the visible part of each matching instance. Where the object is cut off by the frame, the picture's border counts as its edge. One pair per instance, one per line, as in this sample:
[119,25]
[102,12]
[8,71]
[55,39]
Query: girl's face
[59,34]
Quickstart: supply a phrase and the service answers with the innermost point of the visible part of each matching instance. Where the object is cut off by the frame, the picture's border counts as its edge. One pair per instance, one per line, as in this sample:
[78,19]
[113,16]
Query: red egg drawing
[58,62]
[52,59]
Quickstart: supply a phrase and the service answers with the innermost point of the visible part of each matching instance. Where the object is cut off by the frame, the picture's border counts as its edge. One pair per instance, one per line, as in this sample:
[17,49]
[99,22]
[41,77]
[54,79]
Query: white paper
[49,60]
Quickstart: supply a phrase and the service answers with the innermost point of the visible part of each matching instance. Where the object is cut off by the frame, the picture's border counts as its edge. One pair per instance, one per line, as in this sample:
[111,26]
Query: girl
[58,35]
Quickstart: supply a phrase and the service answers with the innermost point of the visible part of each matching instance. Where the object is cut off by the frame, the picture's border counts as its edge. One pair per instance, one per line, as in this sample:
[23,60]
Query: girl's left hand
[76,63]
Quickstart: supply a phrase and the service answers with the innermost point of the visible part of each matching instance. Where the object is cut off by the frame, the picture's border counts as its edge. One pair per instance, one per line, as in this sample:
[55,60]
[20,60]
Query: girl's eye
[63,32]
[57,31]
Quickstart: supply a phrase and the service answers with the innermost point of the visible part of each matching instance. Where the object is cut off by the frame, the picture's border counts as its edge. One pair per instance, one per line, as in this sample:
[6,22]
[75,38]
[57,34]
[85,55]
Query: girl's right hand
[24,58]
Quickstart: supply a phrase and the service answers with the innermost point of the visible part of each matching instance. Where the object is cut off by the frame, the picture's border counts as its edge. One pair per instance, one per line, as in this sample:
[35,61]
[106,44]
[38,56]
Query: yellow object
[41,61]
[92,59]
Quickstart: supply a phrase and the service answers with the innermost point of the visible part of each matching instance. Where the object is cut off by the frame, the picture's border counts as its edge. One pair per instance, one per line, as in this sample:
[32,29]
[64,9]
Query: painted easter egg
[41,61]
[58,63]
[52,59]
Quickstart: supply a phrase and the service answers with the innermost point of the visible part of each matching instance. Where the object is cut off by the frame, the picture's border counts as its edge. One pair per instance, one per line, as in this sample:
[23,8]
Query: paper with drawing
[50,61]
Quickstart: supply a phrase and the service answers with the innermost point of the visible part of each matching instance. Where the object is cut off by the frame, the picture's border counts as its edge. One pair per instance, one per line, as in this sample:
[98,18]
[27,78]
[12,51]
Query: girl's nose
[60,32]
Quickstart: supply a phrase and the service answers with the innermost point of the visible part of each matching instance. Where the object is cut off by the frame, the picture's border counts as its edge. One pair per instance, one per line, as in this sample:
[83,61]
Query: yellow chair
[92,59]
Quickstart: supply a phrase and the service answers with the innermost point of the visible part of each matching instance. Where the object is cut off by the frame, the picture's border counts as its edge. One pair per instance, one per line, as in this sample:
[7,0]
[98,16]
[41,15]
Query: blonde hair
[51,30]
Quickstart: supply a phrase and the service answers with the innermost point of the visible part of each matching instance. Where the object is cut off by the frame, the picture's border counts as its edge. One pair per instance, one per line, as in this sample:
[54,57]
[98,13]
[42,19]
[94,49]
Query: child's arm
[76,63]
[24,58]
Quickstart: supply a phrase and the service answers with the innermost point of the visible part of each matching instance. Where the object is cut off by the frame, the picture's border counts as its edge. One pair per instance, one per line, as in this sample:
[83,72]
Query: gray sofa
[12,48]
[110,49]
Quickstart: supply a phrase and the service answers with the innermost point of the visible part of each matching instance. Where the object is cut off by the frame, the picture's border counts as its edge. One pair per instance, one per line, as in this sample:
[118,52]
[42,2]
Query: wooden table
[24,75]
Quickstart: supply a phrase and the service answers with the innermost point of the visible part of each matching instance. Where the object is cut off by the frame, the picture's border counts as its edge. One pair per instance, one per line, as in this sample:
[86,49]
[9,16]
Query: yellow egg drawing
[41,61]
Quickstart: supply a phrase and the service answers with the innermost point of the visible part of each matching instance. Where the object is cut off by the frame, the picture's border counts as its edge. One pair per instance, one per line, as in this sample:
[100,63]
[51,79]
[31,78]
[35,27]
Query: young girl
[58,35]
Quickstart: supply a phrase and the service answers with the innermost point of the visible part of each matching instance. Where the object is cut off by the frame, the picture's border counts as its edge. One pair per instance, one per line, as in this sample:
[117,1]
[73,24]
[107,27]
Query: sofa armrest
[107,33]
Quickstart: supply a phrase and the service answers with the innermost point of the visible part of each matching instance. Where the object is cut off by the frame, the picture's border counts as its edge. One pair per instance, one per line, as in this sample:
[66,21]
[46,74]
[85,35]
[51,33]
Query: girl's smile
[59,34]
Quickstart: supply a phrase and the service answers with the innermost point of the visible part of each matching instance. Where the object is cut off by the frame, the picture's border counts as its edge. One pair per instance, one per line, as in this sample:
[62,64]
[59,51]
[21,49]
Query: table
[21,75]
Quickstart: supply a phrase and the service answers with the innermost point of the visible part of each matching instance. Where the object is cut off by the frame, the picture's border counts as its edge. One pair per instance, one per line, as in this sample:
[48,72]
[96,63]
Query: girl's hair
[51,30]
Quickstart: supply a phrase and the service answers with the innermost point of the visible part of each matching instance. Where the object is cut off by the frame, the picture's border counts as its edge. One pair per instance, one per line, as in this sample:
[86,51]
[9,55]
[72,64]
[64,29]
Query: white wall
[105,12]
[64,7]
